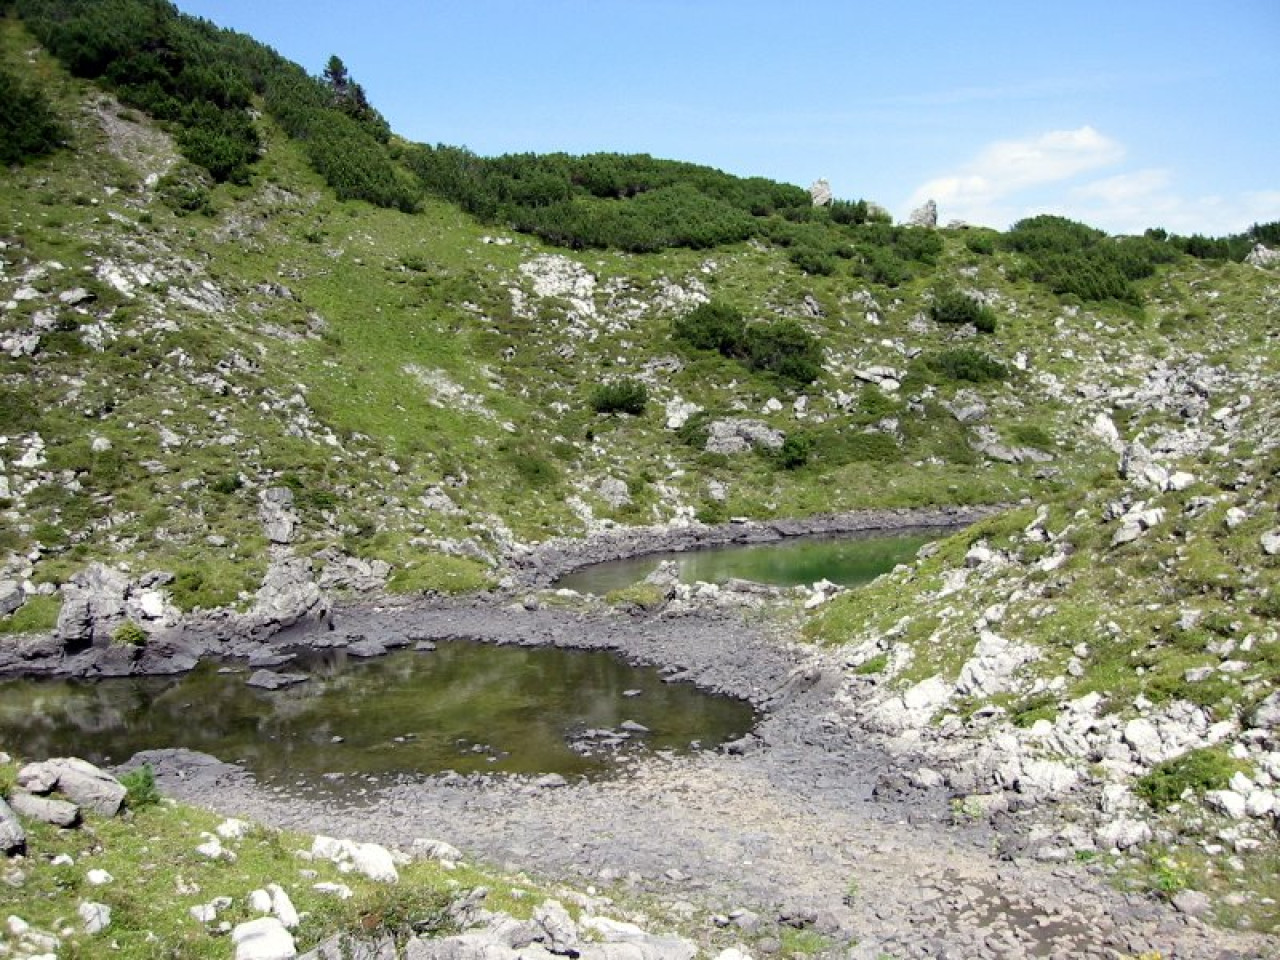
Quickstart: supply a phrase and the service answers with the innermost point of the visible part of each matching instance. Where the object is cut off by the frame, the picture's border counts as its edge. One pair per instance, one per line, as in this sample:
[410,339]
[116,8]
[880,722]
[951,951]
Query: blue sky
[1124,114]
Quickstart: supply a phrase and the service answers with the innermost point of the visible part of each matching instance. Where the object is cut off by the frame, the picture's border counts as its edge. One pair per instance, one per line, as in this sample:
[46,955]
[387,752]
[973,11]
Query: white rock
[1144,739]
[339,890]
[263,939]
[260,901]
[151,603]
[1271,543]
[211,848]
[204,913]
[1240,783]
[1180,480]
[1259,803]
[95,916]
[978,555]
[1227,802]
[232,829]
[327,848]
[374,861]
[1234,517]
[282,907]
[1123,833]
[1046,778]
[98,878]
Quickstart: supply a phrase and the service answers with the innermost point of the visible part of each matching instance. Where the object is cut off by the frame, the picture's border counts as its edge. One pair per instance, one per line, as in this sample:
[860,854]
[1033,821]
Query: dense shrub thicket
[631,202]
[1234,247]
[784,348]
[28,125]
[201,79]
[1071,258]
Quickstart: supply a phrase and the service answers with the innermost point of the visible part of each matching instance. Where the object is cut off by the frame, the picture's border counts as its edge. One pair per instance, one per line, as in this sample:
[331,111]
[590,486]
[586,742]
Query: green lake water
[847,560]
[465,706]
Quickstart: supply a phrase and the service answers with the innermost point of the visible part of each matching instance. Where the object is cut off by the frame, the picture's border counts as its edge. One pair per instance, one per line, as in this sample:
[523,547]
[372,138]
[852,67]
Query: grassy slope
[325,391]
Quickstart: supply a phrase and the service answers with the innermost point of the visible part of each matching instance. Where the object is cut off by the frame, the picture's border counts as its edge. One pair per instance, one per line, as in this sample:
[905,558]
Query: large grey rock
[626,941]
[925,215]
[13,838]
[263,939]
[738,436]
[60,813]
[1266,715]
[11,596]
[1191,902]
[352,573]
[1123,833]
[93,606]
[270,680]
[96,917]
[76,779]
[1262,256]
[275,510]
[344,946]
[820,192]
[614,492]
[1271,542]
[287,595]
[559,932]
[466,946]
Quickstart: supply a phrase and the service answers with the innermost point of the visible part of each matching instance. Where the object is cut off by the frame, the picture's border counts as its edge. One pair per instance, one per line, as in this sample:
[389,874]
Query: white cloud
[1131,202]
[1012,179]
[977,191]
[1125,188]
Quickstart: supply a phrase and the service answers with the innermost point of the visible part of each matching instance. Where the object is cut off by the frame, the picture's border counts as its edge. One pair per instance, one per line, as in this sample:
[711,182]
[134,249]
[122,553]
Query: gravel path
[793,826]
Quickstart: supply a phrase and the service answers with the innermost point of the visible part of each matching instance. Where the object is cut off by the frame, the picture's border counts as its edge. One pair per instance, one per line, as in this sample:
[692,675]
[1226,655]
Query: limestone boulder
[78,780]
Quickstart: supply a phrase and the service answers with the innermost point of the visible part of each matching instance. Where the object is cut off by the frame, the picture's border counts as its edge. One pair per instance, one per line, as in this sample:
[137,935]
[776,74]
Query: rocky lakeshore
[819,820]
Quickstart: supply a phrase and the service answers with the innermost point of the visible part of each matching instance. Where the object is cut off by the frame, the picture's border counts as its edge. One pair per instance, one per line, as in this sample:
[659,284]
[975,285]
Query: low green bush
[620,396]
[28,125]
[966,363]
[795,450]
[141,787]
[129,634]
[954,306]
[712,326]
[1209,768]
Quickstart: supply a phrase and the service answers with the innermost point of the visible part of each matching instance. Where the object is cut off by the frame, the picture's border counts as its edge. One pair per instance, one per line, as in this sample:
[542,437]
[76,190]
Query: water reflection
[465,707]
[846,560]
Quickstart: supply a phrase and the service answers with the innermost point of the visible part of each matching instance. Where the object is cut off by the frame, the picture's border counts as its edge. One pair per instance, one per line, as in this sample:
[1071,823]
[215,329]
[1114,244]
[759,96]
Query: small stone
[98,878]
[1191,902]
[339,890]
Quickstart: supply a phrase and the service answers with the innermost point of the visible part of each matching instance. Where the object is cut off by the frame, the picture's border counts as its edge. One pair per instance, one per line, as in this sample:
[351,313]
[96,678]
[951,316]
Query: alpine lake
[461,705]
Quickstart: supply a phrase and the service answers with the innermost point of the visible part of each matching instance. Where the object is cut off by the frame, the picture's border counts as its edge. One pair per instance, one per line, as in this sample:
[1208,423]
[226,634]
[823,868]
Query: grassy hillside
[423,383]
[437,384]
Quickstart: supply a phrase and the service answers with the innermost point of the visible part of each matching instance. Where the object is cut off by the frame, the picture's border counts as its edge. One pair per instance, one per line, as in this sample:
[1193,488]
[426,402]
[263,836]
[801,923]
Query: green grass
[39,613]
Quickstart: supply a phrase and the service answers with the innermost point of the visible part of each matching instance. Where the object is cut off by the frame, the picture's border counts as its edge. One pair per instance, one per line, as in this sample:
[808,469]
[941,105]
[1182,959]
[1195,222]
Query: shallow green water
[846,560]
[466,707]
